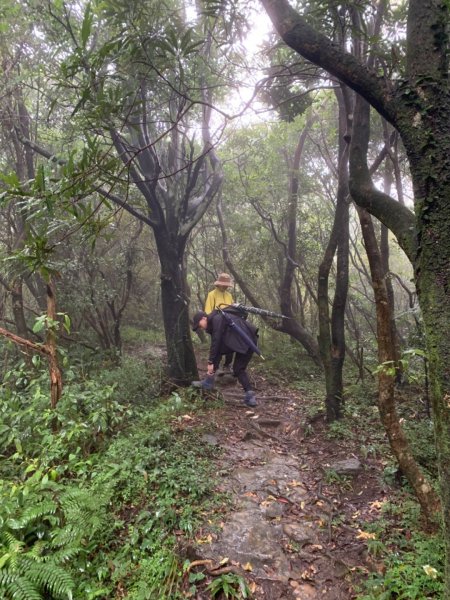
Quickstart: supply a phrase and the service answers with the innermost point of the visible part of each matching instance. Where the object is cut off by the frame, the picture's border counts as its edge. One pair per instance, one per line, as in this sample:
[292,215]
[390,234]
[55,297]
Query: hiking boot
[204,384]
[250,399]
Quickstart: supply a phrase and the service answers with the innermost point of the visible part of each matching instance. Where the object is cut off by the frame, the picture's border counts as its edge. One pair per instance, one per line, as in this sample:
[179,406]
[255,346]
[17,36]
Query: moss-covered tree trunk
[400,446]
[431,176]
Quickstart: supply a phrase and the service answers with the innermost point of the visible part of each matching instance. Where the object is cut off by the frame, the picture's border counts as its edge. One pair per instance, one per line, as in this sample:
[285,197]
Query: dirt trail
[298,500]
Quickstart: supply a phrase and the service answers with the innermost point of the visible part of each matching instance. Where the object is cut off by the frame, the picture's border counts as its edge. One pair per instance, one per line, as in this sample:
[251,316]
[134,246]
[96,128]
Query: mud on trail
[299,499]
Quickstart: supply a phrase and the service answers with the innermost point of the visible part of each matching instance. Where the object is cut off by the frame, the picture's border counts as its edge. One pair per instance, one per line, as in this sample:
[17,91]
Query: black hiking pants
[239,368]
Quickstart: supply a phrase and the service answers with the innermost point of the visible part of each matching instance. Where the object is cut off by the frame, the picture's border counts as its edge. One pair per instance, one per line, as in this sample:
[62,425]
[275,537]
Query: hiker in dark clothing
[225,339]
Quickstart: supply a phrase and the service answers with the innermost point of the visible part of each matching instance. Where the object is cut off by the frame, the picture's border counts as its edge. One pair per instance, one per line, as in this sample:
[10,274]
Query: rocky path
[298,500]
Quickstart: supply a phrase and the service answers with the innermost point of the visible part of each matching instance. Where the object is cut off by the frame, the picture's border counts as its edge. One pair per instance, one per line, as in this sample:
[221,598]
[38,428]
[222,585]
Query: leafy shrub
[410,575]
[158,476]
[136,337]
[86,415]
[230,585]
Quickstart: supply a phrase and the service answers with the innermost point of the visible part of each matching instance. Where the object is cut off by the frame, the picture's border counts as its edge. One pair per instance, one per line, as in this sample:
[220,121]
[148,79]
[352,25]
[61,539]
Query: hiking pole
[262,312]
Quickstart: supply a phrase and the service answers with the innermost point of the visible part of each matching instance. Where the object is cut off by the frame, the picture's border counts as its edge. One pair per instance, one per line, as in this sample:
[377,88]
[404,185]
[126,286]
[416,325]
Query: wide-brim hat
[224,279]
[197,318]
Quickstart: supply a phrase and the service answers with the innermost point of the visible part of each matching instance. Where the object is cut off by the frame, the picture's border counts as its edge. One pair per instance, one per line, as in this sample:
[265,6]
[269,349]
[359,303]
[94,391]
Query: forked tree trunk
[332,329]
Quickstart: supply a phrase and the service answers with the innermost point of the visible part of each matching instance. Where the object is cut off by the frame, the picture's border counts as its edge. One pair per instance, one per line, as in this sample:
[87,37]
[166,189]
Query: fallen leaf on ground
[206,540]
[430,571]
[268,501]
[365,535]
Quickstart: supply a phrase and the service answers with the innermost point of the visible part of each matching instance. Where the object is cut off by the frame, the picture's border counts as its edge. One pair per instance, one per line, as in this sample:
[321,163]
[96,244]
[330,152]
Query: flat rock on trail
[288,532]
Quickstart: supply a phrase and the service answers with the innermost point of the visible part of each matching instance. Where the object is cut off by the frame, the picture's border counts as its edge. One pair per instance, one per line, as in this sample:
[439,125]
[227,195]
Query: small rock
[350,466]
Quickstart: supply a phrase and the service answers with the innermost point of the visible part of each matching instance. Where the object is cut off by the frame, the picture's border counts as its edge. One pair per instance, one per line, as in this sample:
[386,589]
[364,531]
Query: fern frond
[79,500]
[63,555]
[12,543]
[17,587]
[68,535]
[32,513]
[50,577]
[37,551]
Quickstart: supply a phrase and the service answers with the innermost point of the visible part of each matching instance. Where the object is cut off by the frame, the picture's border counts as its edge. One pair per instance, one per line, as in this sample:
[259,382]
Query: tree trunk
[17,307]
[425,494]
[51,344]
[332,330]
[182,365]
[384,252]
[48,349]
[432,268]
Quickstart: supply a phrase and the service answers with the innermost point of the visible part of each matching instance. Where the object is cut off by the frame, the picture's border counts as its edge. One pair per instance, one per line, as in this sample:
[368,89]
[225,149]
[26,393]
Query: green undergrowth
[96,495]
[285,363]
[134,336]
[410,561]
[407,561]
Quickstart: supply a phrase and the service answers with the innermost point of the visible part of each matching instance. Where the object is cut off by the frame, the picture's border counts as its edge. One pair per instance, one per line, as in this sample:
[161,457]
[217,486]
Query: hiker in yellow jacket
[220,297]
